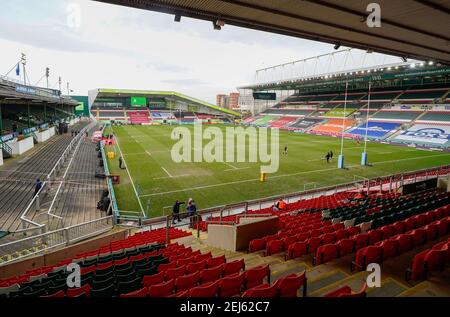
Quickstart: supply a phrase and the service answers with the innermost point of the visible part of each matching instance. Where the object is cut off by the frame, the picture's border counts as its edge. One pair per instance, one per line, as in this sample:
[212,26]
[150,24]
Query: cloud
[186,82]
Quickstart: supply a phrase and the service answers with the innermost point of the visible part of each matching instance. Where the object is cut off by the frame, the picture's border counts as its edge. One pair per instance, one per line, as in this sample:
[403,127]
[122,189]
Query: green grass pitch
[160,181]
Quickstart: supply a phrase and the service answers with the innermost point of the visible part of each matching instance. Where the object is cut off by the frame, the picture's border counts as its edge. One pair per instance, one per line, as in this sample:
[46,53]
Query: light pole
[23,60]
[47,73]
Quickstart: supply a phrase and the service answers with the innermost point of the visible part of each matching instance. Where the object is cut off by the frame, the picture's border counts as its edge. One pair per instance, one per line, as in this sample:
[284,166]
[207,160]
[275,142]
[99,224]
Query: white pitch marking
[236,169]
[166,171]
[282,175]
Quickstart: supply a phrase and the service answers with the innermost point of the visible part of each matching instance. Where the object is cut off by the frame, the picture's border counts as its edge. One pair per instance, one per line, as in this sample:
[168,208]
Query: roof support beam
[434,6]
[385,21]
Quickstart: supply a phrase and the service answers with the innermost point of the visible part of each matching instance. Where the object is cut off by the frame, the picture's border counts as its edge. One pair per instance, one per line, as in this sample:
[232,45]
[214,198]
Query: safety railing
[5,147]
[16,250]
[35,202]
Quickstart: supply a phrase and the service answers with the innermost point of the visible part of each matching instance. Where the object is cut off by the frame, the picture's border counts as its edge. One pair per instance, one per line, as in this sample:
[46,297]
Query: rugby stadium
[325,183]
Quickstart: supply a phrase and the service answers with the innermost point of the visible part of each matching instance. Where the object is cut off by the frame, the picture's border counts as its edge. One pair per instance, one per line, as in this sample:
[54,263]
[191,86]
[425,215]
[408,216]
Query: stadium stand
[392,115]
[375,129]
[333,126]
[17,185]
[425,135]
[80,190]
[138,117]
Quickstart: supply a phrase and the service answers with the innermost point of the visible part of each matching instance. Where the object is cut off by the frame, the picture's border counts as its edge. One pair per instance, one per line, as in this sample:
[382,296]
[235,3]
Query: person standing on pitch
[285,150]
[120,163]
[331,154]
[176,211]
[328,157]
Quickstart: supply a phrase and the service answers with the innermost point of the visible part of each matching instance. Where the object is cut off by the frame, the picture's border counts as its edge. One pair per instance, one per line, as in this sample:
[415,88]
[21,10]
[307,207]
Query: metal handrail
[48,180]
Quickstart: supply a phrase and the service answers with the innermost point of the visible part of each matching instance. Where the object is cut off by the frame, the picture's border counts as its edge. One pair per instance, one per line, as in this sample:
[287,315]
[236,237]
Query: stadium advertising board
[375,129]
[340,113]
[80,107]
[265,95]
[29,130]
[422,133]
[7,137]
[419,186]
[305,123]
[138,101]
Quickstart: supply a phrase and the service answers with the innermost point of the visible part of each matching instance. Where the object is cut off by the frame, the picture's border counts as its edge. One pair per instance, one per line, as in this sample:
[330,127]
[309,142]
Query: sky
[97,45]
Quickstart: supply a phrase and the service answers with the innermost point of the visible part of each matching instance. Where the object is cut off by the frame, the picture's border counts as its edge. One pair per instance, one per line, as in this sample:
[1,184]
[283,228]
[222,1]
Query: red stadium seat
[353,230]
[419,236]
[444,226]
[365,256]
[341,234]
[231,285]
[139,293]
[185,261]
[361,241]
[302,236]
[432,231]
[297,249]
[405,242]
[390,248]
[388,231]
[288,241]
[206,290]
[316,233]
[346,291]
[417,270]
[326,253]
[328,238]
[58,294]
[201,257]
[257,245]
[313,244]
[273,247]
[213,262]
[375,236]
[149,280]
[161,290]
[75,292]
[255,276]
[194,267]
[212,274]
[174,273]
[410,224]
[233,267]
[289,285]
[435,260]
[262,291]
[400,227]
[165,266]
[346,246]
[338,226]
[328,229]
[185,282]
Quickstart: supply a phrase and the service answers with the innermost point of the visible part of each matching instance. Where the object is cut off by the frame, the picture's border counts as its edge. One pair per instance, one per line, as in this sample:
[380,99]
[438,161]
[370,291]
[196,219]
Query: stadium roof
[417,29]
[16,93]
[175,94]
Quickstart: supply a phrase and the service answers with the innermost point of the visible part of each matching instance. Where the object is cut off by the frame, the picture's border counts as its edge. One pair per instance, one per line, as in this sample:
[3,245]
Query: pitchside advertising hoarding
[421,133]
